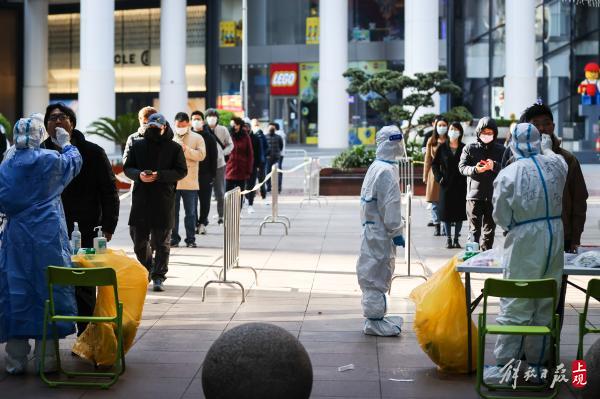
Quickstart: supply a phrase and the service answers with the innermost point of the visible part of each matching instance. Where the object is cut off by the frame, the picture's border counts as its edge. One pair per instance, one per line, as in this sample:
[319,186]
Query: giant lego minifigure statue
[589,88]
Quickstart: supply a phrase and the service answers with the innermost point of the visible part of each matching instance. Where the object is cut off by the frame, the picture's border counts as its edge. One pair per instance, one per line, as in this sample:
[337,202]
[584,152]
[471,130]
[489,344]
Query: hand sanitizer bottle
[100,241]
[75,239]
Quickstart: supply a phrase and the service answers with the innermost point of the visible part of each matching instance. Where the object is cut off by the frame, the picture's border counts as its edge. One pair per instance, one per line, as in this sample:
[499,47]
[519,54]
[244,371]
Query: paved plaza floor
[307,285]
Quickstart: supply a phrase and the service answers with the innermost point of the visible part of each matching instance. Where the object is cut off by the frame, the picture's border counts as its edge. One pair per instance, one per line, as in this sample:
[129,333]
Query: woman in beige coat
[432,194]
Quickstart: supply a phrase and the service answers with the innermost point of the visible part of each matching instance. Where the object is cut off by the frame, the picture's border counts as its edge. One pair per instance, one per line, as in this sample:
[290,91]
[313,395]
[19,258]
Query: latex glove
[62,138]
[398,241]
[547,144]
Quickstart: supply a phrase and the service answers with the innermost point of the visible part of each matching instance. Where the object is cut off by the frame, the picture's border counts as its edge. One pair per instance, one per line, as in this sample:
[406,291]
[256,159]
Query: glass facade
[567,38]
[137,51]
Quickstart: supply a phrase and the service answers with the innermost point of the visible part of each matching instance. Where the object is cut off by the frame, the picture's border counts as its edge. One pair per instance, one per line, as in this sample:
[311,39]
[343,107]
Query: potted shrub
[347,173]
[116,130]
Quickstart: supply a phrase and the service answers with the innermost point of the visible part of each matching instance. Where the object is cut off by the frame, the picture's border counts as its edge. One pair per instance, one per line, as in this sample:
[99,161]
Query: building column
[421,42]
[35,53]
[173,85]
[333,109]
[520,82]
[96,71]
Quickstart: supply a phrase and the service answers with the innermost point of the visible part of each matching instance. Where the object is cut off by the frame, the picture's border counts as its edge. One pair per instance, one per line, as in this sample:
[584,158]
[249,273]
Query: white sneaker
[267,203]
[251,209]
[202,229]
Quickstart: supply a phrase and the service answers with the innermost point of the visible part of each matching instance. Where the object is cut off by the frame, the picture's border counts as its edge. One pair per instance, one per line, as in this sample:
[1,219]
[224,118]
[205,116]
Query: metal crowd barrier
[274,217]
[312,183]
[407,174]
[231,242]
[408,242]
[289,153]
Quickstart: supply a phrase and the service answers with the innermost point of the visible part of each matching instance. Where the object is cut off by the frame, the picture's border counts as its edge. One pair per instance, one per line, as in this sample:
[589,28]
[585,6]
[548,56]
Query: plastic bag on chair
[440,320]
[98,343]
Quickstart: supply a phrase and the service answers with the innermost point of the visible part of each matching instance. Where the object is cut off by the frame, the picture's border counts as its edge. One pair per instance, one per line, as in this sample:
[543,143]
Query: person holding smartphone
[481,162]
[155,163]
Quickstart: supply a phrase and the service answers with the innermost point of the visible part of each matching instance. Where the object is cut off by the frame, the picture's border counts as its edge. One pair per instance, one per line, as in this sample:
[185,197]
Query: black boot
[437,230]
[449,243]
[456,244]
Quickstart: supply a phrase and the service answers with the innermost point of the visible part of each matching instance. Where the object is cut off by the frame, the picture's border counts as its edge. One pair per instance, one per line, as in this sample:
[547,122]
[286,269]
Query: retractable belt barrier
[275,217]
[312,183]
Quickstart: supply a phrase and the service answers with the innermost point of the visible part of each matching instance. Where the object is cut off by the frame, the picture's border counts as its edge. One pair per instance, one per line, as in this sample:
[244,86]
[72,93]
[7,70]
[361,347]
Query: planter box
[334,181]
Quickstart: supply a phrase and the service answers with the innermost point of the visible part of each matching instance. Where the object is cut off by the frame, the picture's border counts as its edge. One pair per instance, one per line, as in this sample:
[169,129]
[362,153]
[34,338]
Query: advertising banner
[228,34]
[312,30]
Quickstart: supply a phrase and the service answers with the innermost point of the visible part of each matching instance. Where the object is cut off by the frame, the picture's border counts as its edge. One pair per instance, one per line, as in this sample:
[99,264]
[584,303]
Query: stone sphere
[257,361]
[592,360]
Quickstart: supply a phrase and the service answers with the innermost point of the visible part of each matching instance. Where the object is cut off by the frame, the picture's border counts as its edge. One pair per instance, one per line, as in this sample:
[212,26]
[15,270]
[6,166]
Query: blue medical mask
[442,130]
[453,134]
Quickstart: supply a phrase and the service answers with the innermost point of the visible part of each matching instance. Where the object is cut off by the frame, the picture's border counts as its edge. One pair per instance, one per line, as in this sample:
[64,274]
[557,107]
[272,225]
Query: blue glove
[398,241]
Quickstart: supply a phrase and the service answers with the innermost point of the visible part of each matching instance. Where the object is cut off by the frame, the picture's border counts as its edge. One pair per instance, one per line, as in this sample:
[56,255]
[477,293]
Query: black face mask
[272,131]
[152,133]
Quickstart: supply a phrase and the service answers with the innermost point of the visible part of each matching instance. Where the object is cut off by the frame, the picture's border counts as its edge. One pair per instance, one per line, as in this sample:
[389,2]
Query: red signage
[284,79]
[579,372]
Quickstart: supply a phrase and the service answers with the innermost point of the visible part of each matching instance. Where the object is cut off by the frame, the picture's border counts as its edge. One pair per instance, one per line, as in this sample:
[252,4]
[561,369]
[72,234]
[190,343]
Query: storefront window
[376,20]
[273,22]
[137,51]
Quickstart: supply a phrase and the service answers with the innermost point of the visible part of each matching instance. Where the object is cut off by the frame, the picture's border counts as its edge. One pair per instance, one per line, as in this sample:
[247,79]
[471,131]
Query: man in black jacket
[91,199]
[207,169]
[155,163]
[275,145]
[481,163]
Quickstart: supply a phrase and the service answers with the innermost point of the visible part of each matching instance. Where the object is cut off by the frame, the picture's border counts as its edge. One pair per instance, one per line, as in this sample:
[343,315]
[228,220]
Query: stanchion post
[275,217]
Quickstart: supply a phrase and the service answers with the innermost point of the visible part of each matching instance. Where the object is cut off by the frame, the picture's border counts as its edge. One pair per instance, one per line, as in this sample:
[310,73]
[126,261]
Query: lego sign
[284,79]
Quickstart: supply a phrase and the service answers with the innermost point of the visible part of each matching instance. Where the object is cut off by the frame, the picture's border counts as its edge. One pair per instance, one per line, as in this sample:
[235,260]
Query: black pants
[231,184]
[204,194]
[85,296]
[145,242]
[250,184]
[261,176]
[481,223]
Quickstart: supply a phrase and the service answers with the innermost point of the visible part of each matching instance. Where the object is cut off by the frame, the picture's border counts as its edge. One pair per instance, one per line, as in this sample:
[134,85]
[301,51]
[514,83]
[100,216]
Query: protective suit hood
[390,143]
[28,133]
[525,141]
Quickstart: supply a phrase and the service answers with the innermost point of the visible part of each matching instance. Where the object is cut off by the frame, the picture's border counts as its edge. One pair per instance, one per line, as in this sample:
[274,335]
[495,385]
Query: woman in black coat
[453,185]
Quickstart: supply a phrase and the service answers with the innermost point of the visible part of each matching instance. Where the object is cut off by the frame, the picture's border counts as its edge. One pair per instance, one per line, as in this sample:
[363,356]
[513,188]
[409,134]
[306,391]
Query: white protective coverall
[528,204]
[382,227]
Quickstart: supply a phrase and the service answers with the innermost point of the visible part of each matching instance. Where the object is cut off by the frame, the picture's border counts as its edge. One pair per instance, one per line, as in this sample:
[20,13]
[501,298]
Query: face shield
[390,143]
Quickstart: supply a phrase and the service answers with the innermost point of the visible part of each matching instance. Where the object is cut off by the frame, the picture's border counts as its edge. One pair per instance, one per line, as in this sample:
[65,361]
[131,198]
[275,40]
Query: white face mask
[196,124]
[453,134]
[442,130]
[255,129]
[486,139]
[212,121]
[181,131]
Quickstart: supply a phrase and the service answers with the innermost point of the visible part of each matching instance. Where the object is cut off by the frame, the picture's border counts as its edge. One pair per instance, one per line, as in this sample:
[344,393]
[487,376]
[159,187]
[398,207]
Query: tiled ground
[307,285]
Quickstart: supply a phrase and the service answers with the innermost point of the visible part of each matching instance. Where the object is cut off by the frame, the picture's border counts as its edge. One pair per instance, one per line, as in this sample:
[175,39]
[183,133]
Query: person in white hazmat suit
[527,205]
[382,231]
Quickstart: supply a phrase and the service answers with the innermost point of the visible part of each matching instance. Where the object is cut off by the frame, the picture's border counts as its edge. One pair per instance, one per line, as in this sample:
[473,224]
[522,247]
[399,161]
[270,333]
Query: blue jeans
[434,212]
[190,199]
[457,228]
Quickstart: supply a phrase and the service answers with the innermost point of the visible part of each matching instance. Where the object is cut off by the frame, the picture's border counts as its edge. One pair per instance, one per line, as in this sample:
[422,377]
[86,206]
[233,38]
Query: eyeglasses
[58,117]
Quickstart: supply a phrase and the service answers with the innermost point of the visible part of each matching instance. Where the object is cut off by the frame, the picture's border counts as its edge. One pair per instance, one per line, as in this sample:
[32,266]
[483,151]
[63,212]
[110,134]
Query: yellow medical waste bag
[441,320]
[98,343]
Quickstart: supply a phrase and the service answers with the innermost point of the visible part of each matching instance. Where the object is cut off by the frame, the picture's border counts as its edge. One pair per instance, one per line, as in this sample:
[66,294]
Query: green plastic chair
[528,289]
[87,277]
[593,291]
